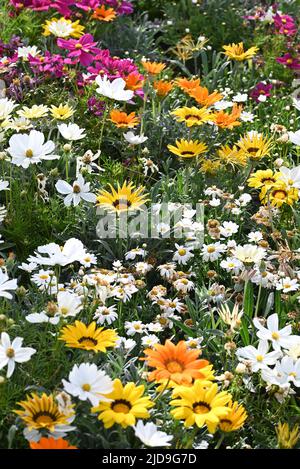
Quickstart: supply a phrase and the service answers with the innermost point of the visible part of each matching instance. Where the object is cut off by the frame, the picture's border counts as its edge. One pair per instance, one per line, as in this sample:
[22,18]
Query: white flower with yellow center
[280,338]
[13,352]
[80,190]
[68,304]
[87,382]
[182,254]
[30,149]
[259,358]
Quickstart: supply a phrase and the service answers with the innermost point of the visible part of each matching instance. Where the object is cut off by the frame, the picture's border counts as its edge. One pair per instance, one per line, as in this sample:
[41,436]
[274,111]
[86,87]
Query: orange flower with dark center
[203,97]
[103,14]
[227,121]
[134,81]
[175,363]
[188,85]
[153,68]
[162,87]
[121,119]
[51,443]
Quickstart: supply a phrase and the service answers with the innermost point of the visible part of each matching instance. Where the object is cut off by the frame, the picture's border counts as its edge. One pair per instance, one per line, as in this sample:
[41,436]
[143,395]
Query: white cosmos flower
[30,149]
[6,284]
[79,190]
[39,318]
[69,304]
[113,89]
[296,103]
[291,176]
[71,131]
[259,358]
[24,52]
[72,251]
[149,434]
[280,338]
[13,352]
[228,228]
[6,108]
[4,185]
[295,137]
[133,139]
[88,383]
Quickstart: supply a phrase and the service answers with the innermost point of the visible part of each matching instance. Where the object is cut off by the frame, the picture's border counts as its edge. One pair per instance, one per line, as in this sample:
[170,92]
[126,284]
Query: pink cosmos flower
[81,49]
[261,89]
[289,61]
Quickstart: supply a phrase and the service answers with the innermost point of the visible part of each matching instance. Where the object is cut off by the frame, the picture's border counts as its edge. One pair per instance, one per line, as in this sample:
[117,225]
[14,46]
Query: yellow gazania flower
[123,199]
[237,52]
[188,148]
[279,194]
[287,438]
[192,115]
[200,405]
[210,167]
[61,112]
[235,420]
[255,146]
[34,112]
[232,156]
[126,406]
[41,412]
[265,177]
[61,27]
[88,337]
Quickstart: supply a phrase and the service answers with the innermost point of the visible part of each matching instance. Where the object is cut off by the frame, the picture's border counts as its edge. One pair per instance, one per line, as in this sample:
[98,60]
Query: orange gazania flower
[51,443]
[174,363]
[188,85]
[134,81]
[121,119]
[203,97]
[162,87]
[103,14]
[153,68]
[227,121]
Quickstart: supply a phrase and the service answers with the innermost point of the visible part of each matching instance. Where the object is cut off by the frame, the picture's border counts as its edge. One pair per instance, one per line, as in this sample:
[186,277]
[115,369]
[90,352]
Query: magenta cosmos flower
[261,89]
[289,61]
[80,49]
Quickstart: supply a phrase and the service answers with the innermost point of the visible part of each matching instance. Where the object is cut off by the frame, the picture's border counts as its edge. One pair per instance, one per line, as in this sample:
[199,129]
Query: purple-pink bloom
[80,49]
[261,89]
[289,61]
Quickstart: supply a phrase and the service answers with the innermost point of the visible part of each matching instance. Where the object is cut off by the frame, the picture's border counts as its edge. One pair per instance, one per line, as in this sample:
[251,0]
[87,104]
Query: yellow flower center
[182,252]
[121,406]
[259,358]
[78,45]
[174,367]
[44,276]
[29,153]
[292,373]
[64,310]
[10,353]
[86,387]
[44,418]
[211,249]
[275,335]
[201,408]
